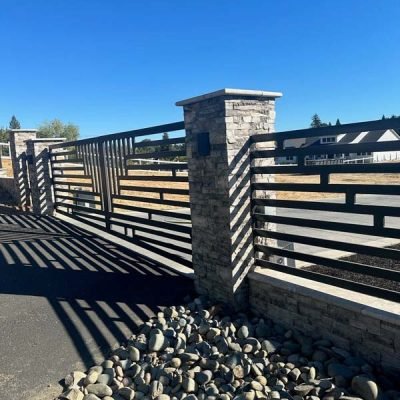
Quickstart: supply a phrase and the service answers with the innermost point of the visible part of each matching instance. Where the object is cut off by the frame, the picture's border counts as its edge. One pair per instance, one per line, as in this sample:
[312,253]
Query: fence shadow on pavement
[98,290]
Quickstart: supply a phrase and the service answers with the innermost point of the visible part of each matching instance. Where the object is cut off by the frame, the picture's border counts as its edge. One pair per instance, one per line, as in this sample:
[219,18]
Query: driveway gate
[132,184]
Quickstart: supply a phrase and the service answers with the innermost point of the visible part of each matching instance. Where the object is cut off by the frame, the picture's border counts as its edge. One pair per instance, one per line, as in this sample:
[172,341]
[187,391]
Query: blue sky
[112,65]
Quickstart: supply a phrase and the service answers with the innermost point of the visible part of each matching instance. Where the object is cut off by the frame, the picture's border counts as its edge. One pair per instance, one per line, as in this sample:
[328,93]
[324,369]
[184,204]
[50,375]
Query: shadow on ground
[66,297]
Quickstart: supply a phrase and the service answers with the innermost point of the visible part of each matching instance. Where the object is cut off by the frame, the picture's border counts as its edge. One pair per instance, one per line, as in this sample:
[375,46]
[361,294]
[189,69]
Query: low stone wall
[8,193]
[368,326]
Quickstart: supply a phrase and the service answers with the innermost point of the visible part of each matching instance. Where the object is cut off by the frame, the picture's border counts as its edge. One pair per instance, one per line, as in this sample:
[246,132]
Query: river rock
[203,377]
[75,378]
[72,394]
[157,341]
[365,387]
[127,393]
[99,389]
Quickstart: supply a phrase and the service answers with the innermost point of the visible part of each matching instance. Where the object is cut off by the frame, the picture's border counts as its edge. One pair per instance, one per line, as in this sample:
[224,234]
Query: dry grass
[348,179]
[7,165]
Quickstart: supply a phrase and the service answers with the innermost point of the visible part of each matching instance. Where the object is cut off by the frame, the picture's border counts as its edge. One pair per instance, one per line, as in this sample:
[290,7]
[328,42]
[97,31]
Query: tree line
[316,121]
[48,129]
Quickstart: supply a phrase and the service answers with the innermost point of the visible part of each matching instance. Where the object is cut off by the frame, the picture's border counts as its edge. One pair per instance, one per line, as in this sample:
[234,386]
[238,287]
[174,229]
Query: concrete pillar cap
[230,92]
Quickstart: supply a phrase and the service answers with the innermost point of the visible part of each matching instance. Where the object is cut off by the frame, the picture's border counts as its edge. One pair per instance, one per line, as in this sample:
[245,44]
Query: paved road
[392,201]
[66,297]
[360,219]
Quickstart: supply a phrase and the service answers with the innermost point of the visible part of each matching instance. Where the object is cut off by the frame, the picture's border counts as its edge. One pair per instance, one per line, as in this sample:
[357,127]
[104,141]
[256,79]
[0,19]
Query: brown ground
[348,179]
[7,166]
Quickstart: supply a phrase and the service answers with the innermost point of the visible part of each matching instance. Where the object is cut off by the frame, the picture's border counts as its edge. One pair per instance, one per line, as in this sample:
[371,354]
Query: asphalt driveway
[66,297]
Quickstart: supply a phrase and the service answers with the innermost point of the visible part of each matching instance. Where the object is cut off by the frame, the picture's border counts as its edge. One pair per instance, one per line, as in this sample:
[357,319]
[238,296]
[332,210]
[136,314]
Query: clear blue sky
[112,65]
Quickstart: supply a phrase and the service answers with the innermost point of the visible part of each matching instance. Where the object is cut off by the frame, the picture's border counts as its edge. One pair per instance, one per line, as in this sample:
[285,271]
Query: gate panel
[132,184]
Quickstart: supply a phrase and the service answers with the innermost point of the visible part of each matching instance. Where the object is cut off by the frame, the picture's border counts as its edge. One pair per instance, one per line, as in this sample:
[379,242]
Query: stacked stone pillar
[218,128]
[31,169]
[18,138]
[38,160]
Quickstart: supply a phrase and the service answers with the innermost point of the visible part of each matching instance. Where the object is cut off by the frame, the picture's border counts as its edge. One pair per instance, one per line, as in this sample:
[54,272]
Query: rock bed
[195,352]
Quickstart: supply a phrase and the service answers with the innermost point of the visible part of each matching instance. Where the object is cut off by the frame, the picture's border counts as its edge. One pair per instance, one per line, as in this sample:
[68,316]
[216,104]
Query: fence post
[218,129]
[39,170]
[18,138]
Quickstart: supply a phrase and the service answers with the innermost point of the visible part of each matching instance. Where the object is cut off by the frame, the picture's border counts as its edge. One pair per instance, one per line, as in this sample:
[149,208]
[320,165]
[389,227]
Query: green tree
[315,121]
[57,129]
[165,147]
[3,135]
[338,122]
[14,123]
[383,116]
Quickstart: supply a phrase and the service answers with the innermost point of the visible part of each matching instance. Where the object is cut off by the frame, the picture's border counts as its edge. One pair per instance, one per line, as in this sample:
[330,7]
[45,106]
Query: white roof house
[345,138]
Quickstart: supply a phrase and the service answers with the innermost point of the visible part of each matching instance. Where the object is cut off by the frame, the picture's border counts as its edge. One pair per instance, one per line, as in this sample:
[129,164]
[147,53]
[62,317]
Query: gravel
[362,278]
[200,351]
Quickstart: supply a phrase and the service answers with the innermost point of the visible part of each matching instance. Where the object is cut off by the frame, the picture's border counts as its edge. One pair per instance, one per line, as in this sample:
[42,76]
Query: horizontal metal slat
[152,130]
[329,188]
[77,199]
[82,217]
[162,142]
[74,184]
[168,235]
[328,169]
[79,208]
[330,280]
[158,167]
[62,153]
[157,155]
[391,145]
[146,210]
[181,192]
[77,168]
[175,203]
[329,225]
[155,178]
[158,224]
[330,244]
[71,176]
[332,263]
[330,207]
[57,189]
[69,161]
[375,125]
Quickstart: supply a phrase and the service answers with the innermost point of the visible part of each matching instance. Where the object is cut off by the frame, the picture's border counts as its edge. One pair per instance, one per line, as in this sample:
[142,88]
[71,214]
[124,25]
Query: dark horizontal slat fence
[132,184]
[358,208]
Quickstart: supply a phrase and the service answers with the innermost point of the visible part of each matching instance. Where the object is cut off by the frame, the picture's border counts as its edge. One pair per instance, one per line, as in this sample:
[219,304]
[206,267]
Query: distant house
[344,158]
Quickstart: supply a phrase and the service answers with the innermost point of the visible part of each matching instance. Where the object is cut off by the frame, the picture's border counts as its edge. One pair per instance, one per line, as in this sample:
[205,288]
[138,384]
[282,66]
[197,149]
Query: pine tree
[383,116]
[14,123]
[338,122]
[316,121]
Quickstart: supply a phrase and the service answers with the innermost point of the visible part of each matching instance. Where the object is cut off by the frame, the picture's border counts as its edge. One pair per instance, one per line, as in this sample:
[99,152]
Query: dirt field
[7,166]
[349,179]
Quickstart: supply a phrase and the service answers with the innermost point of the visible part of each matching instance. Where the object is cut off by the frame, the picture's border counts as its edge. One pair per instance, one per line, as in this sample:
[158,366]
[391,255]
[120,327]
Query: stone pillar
[38,160]
[17,138]
[218,128]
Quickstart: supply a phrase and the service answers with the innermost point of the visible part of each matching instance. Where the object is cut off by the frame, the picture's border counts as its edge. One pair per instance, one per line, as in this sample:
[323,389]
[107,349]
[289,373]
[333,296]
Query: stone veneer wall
[37,151]
[363,324]
[219,185]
